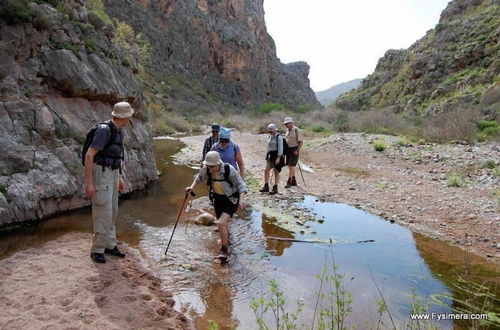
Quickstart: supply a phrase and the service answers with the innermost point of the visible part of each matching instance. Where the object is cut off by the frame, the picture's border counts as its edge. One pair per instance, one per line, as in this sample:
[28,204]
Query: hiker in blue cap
[209,141]
[229,150]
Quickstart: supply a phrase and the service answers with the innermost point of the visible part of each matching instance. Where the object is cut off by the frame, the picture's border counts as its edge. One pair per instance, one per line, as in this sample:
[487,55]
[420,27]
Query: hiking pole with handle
[302,175]
[178,217]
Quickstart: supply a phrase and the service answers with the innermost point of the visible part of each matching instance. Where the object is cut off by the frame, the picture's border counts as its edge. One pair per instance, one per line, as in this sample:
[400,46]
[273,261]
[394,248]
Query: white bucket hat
[287,120]
[122,110]
[272,128]
[212,158]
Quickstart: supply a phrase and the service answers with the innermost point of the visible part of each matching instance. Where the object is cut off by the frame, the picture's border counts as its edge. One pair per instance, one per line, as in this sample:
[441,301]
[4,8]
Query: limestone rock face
[49,98]
[449,68]
[223,45]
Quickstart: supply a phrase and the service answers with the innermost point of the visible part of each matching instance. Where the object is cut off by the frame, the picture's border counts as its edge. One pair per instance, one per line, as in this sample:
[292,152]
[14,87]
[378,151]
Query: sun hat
[225,133]
[272,128]
[287,120]
[215,127]
[122,110]
[212,158]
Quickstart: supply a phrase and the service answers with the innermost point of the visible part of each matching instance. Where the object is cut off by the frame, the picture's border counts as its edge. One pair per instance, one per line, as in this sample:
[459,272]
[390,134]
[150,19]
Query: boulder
[205,219]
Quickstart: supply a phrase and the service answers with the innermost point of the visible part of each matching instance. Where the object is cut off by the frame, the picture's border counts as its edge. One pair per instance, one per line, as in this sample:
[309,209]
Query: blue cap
[225,133]
[215,127]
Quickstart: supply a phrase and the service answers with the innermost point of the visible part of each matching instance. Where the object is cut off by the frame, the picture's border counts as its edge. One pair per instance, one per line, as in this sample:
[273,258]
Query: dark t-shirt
[101,138]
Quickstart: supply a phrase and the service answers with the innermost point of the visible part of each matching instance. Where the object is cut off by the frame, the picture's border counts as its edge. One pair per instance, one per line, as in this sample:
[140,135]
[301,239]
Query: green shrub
[492,131]
[269,107]
[126,61]
[454,180]
[84,27]
[481,137]
[496,172]
[303,108]
[3,189]
[15,11]
[491,164]
[318,129]
[379,145]
[69,46]
[96,20]
[482,124]
[98,13]
[91,44]
[42,21]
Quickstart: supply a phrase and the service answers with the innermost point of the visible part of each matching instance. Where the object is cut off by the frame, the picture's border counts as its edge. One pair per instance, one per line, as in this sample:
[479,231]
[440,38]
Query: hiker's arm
[241,165]
[89,180]
[298,147]
[241,202]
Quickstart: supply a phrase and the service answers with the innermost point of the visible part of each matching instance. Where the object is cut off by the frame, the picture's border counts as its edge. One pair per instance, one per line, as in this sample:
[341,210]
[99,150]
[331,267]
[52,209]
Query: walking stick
[302,175]
[178,217]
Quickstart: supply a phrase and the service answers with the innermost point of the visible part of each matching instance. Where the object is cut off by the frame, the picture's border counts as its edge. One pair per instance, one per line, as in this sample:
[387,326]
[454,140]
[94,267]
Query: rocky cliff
[64,63]
[455,65]
[53,89]
[221,48]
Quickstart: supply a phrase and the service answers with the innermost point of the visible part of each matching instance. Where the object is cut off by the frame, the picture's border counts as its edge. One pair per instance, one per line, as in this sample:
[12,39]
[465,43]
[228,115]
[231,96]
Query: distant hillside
[456,65]
[329,95]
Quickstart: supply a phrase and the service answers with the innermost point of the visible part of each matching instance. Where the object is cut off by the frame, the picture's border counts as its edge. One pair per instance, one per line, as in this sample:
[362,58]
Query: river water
[377,260]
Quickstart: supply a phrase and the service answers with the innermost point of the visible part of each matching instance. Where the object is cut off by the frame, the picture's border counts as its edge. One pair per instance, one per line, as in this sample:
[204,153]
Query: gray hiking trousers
[104,208]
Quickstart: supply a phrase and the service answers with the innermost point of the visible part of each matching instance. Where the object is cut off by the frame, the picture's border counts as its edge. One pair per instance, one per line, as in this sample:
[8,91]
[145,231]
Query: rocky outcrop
[449,68]
[221,45]
[49,98]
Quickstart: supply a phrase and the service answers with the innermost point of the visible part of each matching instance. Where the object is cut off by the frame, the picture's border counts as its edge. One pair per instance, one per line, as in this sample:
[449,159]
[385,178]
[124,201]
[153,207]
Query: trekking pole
[302,175]
[189,214]
[178,217]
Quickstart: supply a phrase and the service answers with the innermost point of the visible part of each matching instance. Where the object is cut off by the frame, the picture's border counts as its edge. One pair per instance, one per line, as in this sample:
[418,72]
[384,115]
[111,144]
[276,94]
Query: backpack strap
[226,176]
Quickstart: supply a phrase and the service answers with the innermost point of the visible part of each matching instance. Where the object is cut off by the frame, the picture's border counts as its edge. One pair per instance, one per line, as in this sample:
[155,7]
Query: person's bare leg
[276,177]
[223,225]
[291,171]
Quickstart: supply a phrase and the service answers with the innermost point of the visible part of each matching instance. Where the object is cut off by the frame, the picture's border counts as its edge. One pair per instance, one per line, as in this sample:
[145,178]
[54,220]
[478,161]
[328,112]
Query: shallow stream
[369,252]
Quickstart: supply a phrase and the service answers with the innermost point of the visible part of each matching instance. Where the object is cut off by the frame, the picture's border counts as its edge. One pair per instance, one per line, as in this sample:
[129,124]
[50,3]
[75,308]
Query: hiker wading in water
[294,140]
[229,151]
[274,159]
[210,141]
[227,193]
[103,163]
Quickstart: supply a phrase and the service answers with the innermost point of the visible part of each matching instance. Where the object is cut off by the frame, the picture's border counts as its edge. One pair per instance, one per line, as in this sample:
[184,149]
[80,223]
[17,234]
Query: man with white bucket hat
[226,191]
[294,140]
[103,164]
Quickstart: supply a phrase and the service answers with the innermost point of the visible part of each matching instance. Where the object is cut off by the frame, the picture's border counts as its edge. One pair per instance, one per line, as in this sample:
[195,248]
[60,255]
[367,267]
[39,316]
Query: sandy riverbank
[57,286]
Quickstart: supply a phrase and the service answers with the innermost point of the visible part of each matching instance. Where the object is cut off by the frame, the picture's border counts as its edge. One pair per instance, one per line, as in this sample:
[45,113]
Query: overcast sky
[343,39]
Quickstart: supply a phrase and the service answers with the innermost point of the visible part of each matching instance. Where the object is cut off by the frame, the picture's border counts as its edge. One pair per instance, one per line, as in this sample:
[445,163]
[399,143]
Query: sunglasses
[212,166]
[223,141]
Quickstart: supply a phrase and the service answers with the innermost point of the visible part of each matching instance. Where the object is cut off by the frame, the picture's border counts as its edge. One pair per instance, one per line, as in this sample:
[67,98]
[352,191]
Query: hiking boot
[293,181]
[98,258]
[274,191]
[265,188]
[115,252]
[288,183]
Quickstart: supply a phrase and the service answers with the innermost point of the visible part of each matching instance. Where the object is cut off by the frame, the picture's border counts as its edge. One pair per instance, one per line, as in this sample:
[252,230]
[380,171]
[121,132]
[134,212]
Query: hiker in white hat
[274,159]
[103,160]
[226,191]
[294,141]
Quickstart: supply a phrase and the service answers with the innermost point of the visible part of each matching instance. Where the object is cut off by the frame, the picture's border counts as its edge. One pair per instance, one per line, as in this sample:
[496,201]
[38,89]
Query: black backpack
[226,177]
[90,138]
[285,144]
